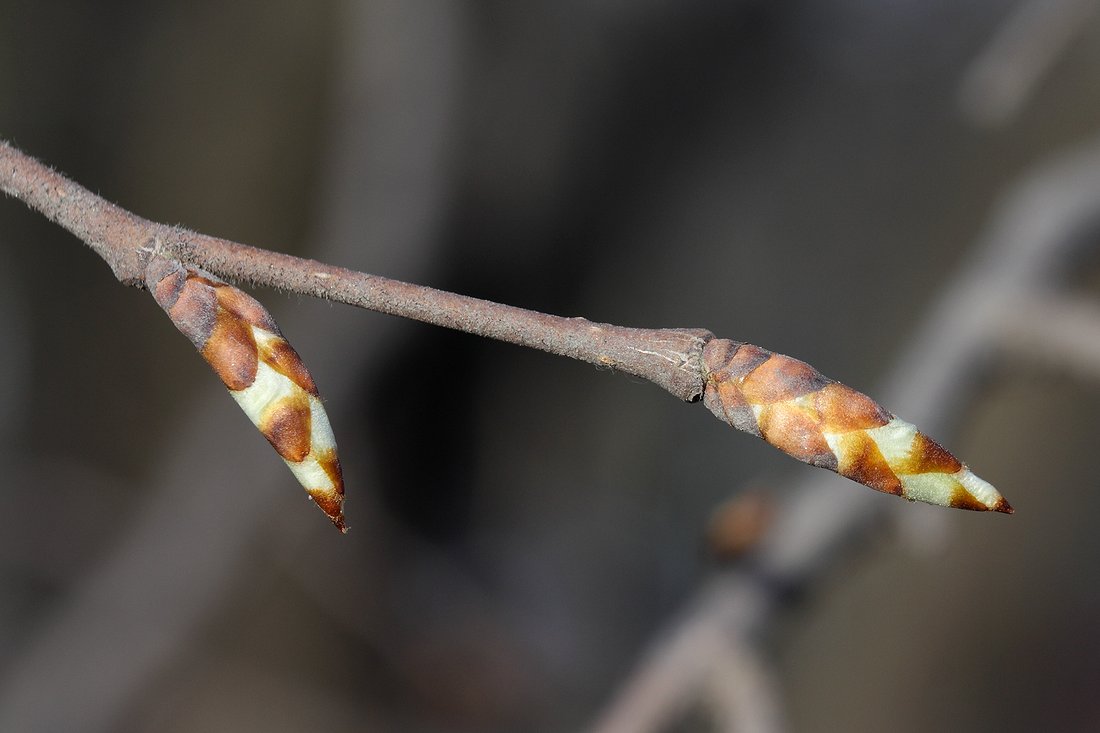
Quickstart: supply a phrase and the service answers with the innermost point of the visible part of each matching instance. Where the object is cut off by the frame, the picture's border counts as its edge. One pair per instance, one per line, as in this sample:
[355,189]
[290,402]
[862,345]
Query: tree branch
[670,358]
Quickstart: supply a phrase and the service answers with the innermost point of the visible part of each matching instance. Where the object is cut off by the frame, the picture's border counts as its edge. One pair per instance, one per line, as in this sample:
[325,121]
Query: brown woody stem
[670,358]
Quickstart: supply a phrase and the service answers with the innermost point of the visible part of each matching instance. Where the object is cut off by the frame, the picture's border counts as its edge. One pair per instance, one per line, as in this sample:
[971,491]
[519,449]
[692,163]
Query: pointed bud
[791,405]
[238,338]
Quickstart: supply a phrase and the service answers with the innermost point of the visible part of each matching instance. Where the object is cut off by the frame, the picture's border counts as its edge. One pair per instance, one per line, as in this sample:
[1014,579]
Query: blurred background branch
[1021,53]
[1027,252]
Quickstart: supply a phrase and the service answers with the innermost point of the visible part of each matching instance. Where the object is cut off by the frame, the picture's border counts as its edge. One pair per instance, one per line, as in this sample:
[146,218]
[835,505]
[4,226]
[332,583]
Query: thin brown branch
[752,389]
[670,358]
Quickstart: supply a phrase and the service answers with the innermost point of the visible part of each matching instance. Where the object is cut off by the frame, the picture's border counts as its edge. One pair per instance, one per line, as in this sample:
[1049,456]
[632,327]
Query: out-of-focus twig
[1026,251]
[389,184]
[672,674]
[1003,77]
[1062,332]
[130,613]
[741,693]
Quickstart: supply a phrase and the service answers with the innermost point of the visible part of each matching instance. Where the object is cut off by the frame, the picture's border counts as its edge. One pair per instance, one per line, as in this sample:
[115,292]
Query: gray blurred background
[801,175]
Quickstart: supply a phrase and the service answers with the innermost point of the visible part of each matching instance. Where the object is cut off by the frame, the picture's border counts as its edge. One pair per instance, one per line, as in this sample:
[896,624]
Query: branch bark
[670,358]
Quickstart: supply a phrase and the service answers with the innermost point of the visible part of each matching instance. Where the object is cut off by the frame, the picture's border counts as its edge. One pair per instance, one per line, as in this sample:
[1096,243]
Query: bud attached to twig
[239,339]
[791,405]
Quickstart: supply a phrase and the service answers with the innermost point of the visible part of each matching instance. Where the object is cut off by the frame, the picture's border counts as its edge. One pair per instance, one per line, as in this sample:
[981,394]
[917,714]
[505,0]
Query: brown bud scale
[231,350]
[286,425]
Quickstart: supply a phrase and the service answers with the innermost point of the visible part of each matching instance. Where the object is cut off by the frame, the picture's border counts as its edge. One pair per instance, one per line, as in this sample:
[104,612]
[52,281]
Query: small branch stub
[819,421]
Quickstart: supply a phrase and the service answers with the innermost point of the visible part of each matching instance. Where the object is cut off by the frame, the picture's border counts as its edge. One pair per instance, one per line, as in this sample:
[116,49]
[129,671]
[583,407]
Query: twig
[1056,332]
[111,633]
[1005,74]
[671,675]
[670,358]
[782,400]
[742,694]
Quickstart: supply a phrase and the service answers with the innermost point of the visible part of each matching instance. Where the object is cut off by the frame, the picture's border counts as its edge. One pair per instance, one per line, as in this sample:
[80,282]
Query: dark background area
[797,175]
